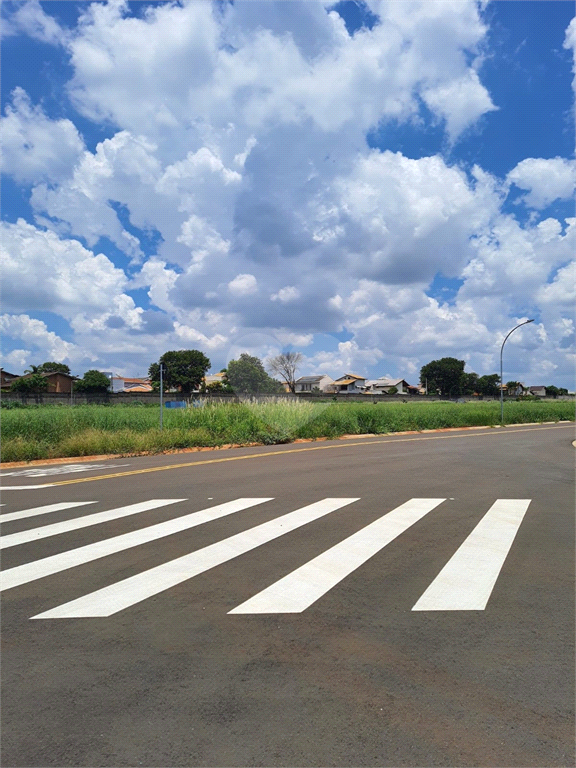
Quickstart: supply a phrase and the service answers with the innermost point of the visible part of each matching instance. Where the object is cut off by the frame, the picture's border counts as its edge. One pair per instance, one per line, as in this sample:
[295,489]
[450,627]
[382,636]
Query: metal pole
[161,405]
[501,371]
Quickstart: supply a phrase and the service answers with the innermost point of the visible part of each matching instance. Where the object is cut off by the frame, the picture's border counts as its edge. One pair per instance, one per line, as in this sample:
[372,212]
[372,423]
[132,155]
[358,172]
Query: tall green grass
[56,431]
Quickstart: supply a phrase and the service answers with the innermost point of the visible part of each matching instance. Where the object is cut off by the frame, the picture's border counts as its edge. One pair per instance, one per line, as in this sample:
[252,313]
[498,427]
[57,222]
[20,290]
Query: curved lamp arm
[501,371]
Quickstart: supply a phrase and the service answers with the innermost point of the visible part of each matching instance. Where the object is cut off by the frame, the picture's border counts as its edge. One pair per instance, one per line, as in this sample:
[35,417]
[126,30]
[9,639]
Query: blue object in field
[175,404]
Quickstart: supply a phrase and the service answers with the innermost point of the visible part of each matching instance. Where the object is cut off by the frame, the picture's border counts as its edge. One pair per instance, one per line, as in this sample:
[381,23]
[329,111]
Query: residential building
[383,385]
[214,378]
[130,384]
[350,383]
[6,378]
[60,383]
[309,383]
[538,391]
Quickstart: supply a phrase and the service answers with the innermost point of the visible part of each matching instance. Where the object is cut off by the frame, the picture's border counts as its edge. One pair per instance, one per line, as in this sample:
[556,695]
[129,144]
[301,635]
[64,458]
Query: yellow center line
[290,450]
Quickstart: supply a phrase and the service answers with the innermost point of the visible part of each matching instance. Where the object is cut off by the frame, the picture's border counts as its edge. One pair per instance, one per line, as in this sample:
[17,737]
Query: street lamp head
[530,321]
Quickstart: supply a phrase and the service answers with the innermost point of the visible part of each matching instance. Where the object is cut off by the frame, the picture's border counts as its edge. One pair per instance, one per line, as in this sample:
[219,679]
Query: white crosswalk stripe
[465,583]
[467,580]
[8,516]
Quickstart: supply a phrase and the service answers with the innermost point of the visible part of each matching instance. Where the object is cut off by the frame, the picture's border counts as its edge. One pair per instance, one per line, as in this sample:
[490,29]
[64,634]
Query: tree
[552,392]
[93,382]
[392,391]
[51,367]
[442,375]
[285,365]
[469,383]
[562,391]
[247,375]
[489,386]
[30,384]
[183,369]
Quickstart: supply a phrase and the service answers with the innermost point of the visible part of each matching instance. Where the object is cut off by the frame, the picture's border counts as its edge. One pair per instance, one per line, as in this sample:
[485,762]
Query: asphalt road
[119,648]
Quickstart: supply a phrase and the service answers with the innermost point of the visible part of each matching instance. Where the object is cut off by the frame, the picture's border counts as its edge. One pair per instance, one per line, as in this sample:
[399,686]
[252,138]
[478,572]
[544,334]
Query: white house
[350,383]
[383,385]
[308,383]
[126,384]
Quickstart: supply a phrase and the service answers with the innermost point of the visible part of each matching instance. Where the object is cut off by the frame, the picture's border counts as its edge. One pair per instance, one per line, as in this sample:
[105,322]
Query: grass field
[60,431]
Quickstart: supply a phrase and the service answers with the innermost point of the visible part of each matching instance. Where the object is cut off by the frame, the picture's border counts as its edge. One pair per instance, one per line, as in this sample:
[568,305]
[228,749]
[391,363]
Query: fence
[153,398]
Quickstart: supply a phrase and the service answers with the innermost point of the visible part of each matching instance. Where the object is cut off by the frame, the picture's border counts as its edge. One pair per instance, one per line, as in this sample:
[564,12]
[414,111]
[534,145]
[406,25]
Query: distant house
[515,391]
[537,391]
[128,384]
[59,383]
[349,383]
[214,378]
[383,385]
[309,383]
[6,378]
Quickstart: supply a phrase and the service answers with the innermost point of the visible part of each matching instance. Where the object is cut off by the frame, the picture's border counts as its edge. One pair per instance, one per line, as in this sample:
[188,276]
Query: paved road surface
[393,601]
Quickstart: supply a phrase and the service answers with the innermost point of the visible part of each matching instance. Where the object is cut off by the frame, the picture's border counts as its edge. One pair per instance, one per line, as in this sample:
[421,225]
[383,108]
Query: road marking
[34,534]
[22,574]
[468,578]
[61,470]
[299,589]
[344,444]
[8,516]
[125,593]
[26,487]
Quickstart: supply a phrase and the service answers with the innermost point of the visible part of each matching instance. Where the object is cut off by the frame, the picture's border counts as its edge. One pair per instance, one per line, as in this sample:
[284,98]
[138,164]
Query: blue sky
[375,185]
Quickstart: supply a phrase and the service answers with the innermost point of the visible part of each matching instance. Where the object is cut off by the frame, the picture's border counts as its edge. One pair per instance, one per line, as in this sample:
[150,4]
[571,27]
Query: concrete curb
[106,457]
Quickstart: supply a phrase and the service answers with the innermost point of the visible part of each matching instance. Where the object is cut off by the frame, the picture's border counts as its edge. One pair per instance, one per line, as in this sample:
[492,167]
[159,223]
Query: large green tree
[93,382]
[183,369]
[248,376]
[443,376]
[52,367]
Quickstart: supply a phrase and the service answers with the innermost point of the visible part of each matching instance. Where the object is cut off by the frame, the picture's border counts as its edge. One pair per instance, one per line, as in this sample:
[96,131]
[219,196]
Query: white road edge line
[45,531]
[25,487]
[468,578]
[125,593]
[299,589]
[8,516]
[22,574]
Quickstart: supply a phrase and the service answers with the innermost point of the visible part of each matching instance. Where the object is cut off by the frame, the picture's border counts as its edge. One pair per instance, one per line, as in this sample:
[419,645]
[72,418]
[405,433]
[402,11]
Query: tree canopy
[183,369]
[34,383]
[93,382]
[443,376]
[247,375]
[53,367]
[285,365]
[489,386]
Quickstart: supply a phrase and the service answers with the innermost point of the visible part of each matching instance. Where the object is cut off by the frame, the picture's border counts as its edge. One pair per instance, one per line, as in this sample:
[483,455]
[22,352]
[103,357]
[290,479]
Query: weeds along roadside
[86,430]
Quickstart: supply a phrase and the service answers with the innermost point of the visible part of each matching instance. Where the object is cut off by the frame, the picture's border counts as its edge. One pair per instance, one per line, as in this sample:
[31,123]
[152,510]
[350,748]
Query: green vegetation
[183,369]
[39,432]
[93,382]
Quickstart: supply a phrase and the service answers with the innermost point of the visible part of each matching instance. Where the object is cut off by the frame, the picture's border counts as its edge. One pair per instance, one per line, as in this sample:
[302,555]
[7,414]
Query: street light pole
[161,388]
[501,372]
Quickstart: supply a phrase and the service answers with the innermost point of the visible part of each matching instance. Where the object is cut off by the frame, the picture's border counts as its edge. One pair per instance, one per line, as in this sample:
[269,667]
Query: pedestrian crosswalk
[465,582]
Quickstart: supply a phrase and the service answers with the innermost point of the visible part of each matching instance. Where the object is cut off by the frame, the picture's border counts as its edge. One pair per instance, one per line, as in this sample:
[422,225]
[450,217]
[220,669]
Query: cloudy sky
[375,184]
